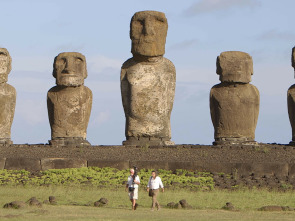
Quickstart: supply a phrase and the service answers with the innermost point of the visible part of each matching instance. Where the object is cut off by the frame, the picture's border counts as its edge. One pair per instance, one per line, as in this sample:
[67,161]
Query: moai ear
[6,53]
[293,57]
[218,68]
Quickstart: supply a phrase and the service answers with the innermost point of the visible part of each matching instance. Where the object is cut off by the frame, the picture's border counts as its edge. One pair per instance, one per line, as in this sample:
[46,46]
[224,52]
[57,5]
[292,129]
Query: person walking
[132,188]
[153,186]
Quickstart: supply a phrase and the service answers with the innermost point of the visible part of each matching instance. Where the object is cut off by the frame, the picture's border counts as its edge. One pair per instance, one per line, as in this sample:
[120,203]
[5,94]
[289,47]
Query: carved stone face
[5,65]
[293,57]
[234,66]
[148,31]
[69,69]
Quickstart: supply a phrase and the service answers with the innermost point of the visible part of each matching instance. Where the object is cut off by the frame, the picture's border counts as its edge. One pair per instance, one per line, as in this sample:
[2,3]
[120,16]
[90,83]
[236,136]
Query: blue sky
[35,31]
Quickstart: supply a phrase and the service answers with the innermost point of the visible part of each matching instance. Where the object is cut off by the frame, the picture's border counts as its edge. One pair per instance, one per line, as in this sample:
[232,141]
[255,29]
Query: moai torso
[291,102]
[69,103]
[234,103]
[69,111]
[7,98]
[148,83]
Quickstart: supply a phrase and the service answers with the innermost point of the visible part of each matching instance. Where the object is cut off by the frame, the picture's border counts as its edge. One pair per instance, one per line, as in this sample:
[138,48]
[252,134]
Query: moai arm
[13,103]
[257,106]
[50,107]
[124,88]
[212,104]
[291,106]
[172,85]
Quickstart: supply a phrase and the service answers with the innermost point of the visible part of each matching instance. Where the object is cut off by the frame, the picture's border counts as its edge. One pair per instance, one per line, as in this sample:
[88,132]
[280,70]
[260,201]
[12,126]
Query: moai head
[69,69]
[148,31]
[234,66]
[293,57]
[5,65]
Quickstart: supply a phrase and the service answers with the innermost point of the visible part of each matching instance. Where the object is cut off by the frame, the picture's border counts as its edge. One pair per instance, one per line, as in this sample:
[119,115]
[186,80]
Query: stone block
[291,170]
[118,164]
[180,165]
[22,163]
[259,169]
[150,164]
[214,167]
[2,163]
[61,163]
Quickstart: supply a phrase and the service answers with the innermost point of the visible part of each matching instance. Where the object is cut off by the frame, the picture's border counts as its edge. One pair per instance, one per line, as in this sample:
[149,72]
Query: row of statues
[147,88]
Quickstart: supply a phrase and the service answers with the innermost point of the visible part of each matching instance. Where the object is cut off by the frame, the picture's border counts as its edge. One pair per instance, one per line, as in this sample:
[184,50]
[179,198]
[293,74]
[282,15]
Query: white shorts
[133,194]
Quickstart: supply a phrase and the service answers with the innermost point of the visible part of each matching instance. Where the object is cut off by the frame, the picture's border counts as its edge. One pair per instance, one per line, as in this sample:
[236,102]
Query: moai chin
[148,82]
[291,102]
[7,98]
[69,102]
[234,103]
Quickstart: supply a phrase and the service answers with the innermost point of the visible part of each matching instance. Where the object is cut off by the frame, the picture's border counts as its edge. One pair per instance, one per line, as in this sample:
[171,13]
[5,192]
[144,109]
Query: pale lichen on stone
[69,103]
[7,98]
[148,82]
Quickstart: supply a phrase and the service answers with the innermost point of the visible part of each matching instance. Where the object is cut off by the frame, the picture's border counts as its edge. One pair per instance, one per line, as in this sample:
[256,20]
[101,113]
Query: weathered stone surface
[118,164]
[228,206]
[291,102]
[2,163]
[69,103]
[7,98]
[34,202]
[52,200]
[22,163]
[260,169]
[293,57]
[102,202]
[150,164]
[271,208]
[148,82]
[60,163]
[15,205]
[171,205]
[234,104]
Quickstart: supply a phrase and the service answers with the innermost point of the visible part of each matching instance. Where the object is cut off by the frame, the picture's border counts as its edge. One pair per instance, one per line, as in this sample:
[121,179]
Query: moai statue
[291,102]
[234,103]
[69,103]
[7,98]
[148,82]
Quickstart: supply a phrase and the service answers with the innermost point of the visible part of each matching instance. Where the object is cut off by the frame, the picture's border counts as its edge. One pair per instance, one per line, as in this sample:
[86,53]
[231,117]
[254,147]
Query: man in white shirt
[153,186]
[132,188]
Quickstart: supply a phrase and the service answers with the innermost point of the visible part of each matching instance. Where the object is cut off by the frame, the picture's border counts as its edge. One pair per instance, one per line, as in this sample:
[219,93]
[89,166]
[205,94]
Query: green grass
[77,189]
[206,205]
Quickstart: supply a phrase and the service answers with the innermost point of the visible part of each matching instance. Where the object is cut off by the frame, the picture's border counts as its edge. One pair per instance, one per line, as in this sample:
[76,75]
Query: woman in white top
[153,186]
[132,188]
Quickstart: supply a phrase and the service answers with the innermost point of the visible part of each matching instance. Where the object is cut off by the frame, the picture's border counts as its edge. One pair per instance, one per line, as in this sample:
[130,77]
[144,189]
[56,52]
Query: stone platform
[261,159]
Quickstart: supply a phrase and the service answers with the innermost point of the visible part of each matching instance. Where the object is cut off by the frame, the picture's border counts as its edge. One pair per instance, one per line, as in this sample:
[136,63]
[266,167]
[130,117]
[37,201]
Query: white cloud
[99,63]
[102,117]
[277,35]
[205,6]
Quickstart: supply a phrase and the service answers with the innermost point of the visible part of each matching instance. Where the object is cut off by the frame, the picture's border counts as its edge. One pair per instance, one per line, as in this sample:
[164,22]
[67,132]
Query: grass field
[206,205]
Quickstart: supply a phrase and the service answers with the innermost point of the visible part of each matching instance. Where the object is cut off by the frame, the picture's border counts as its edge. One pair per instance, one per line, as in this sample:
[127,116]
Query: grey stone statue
[148,82]
[69,103]
[7,98]
[234,103]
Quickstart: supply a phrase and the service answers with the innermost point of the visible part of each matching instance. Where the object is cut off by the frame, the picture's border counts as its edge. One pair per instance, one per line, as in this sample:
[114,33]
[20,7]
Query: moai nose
[149,26]
[69,65]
